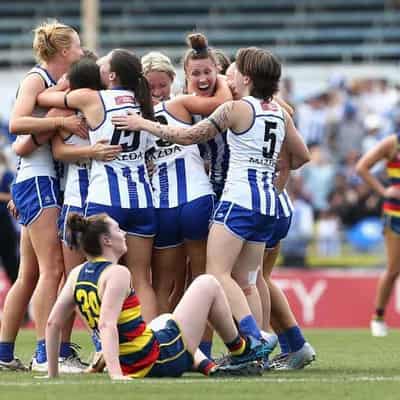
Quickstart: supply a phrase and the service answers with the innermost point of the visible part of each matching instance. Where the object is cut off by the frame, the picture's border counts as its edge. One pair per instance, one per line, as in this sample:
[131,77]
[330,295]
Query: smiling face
[160,85]
[202,76]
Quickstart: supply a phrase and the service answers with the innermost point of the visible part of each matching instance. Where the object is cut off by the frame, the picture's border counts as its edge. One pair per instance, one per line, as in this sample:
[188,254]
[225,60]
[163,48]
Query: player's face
[240,84]
[117,236]
[160,85]
[202,76]
[230,78]
[74,52]
[104,65]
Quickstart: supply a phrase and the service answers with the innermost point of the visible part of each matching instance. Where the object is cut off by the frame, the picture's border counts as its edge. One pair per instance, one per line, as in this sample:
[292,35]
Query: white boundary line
[183,381]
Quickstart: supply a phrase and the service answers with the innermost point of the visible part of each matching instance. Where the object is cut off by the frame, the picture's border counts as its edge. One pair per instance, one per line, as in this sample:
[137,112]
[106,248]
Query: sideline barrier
[335,298]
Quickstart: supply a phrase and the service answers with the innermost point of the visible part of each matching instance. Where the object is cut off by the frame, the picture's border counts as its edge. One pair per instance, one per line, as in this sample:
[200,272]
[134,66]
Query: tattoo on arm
[222,115]
[199,133]
[203,131]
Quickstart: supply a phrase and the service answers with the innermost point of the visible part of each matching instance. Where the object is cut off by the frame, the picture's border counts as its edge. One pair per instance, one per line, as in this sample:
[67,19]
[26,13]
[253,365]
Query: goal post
[90,21]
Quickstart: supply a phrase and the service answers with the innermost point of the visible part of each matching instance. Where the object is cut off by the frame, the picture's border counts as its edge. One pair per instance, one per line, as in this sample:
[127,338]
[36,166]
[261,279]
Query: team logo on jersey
[269,106]
[124,99]
[268,162]
[165,152]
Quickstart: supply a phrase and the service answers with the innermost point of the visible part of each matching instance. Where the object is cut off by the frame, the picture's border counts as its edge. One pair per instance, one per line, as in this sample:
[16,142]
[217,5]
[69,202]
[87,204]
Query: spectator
[294,246]
[8,234]
[346,134]
[318,174]
[328,234]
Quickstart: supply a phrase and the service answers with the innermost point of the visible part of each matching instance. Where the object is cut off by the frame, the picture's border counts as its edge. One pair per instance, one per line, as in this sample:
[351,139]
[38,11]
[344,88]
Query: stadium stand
[296,30]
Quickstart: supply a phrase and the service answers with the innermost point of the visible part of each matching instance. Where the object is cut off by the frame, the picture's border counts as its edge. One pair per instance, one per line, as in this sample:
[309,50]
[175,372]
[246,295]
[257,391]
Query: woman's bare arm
[383,150]
[62,309]
[206,105]
[203,131]
[295,146]
[115,291]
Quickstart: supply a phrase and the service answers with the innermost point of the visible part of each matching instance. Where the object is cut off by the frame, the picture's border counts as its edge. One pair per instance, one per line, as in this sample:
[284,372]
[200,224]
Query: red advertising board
[334,299]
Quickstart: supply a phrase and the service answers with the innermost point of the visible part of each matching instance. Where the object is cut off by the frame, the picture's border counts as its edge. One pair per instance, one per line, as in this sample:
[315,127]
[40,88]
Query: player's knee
[246,279]
[217,272]
[249,290]
[209,282]
[392,274]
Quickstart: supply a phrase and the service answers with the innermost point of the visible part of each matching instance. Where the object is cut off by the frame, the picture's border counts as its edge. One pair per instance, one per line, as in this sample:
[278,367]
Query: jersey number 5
[269,139]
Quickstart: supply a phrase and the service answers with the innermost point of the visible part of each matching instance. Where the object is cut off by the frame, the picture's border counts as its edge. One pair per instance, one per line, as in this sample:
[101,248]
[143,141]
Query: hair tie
[200,50]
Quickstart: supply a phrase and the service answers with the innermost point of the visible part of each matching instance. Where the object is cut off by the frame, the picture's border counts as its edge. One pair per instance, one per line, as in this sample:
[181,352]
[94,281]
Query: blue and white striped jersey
[216,153]
[77,176]
[123,182]
[179,176]
[286,205]
[253,157]
[40,162]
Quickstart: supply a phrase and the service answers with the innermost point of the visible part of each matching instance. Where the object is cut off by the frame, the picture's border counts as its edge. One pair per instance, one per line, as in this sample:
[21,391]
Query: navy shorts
[174,359]
[281,230]
[189,221]
[33,195]
[62,221]
[246,224]
[392,223]
[134,221]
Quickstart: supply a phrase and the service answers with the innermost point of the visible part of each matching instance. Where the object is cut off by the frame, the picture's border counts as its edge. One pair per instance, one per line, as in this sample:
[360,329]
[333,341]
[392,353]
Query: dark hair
[85,233]
[85,73]
[128,68]
[223,61]
[263,68]
[199,49]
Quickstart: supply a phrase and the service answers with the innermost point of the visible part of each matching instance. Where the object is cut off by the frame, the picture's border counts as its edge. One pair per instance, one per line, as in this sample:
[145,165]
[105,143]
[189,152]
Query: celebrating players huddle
[158,218]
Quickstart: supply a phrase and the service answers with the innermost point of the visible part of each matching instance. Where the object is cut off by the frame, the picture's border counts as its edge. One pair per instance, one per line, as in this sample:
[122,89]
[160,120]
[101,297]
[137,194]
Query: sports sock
[238,346]
[379,314]
[7,351]
[96,341]
[283,343]
[41,356]
[65,349]
[248,327]
[206,366]
[206,348]
[294,338]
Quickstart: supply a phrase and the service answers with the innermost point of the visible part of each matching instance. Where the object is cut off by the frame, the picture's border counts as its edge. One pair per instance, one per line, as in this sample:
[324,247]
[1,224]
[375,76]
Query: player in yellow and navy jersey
[168,346]
[388,150]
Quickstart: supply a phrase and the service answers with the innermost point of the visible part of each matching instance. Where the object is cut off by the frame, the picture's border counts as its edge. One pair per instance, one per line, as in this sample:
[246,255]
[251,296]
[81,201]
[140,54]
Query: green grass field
[350,365]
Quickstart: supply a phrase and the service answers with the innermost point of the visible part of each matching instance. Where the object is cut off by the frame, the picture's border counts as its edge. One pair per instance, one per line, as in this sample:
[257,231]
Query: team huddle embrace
[157,217]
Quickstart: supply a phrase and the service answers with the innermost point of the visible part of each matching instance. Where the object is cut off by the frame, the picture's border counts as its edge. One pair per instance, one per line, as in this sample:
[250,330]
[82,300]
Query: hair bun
[77,223]
[198,42]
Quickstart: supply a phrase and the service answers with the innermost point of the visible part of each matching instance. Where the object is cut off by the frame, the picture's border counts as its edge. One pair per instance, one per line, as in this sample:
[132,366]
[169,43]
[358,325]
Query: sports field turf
[350,365]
